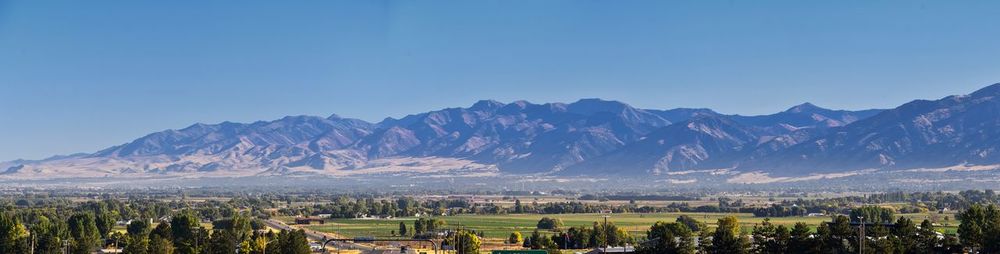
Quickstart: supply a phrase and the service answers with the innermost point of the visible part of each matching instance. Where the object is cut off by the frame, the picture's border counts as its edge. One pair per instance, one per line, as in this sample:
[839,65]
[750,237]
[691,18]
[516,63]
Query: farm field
[500,226]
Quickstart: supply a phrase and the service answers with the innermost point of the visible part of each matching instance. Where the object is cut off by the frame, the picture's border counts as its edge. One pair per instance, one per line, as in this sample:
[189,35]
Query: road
[319,236]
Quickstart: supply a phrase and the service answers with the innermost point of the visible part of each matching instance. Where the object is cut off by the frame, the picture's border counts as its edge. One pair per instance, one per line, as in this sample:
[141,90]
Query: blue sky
[78,76]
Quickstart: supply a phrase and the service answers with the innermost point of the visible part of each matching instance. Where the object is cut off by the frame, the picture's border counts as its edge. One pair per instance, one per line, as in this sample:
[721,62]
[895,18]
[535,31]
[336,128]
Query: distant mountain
[955,130]
[589,137]
[805,115]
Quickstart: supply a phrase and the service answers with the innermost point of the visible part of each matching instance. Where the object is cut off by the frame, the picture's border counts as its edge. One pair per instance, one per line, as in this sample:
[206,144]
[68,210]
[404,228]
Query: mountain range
[589,137]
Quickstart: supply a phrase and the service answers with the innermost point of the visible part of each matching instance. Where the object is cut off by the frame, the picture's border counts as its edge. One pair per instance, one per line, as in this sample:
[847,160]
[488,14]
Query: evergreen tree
[768,238]
[728,238]
[402,229]
[973,227]
[418,227]
[927,240]
[801,240]
[837,236]
[880,240]
[905,233]
[291,242]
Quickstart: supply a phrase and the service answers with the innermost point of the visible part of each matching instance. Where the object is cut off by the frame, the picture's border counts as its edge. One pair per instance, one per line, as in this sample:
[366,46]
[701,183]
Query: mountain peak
[593,105]
[804,107]
[486,105]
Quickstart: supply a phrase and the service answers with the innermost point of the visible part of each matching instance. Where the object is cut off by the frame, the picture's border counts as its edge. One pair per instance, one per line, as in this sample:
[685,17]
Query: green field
[500,226]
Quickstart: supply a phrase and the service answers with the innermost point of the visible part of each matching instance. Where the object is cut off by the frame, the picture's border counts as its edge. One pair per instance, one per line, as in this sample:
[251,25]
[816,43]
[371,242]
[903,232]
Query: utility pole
[607,237]
[861,235]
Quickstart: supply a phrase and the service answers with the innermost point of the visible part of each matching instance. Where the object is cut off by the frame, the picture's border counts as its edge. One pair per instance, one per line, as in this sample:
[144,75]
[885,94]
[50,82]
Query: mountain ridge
[586,137]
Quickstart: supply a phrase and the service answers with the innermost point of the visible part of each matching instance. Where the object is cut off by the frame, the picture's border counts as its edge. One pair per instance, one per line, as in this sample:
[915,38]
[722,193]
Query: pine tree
[402,229]
[801,240]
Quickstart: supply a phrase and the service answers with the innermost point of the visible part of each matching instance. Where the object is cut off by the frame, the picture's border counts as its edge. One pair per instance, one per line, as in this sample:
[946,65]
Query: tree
[402,229]
[980,228]
[222,241]
[290,242]
[705,241]
[927,239]
[518,208]
[971,228]
[515,238]
[84,232]
[186,231]
[467,242]
[768,238]
[666,237]
[160,245]
[49,235]
[905,233]
[728,238]
[549,223]
[800,240]
[880,240]
[138,228]
[418,227]
[837,236]
[873,214]
[238,226]
[13,235]
[691,223]
[539,242]
[105,222]
[136,244]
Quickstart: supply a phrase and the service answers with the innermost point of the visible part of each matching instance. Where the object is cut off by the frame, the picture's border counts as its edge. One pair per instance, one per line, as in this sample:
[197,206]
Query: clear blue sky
[78,76]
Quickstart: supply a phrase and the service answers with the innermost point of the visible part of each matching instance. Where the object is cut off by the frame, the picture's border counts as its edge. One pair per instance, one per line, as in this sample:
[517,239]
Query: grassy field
[500,226]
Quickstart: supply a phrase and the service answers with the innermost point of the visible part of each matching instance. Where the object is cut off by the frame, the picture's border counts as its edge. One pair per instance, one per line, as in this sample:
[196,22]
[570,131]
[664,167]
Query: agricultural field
[500,226]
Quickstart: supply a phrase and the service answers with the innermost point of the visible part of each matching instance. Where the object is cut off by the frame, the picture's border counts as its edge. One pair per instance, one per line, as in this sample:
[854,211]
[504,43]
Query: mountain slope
[950,131]
[707,141]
